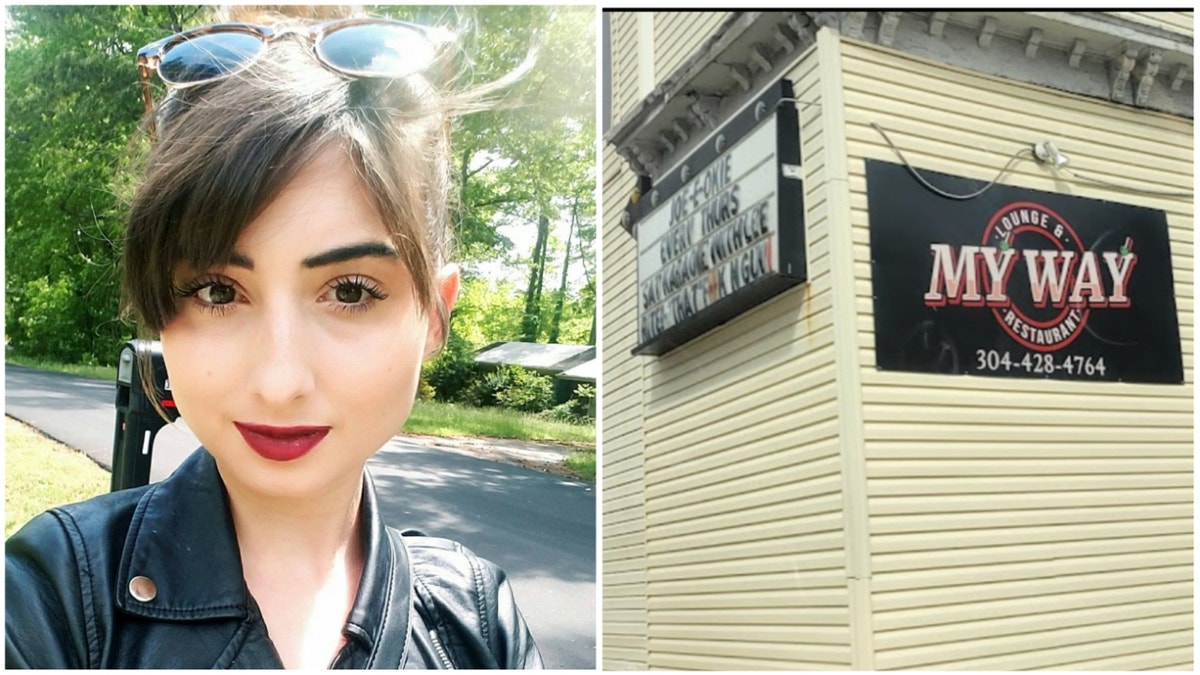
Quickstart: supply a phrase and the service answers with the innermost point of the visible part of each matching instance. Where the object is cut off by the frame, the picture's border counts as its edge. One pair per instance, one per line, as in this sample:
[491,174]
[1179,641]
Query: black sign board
[724,230]
[1019,283]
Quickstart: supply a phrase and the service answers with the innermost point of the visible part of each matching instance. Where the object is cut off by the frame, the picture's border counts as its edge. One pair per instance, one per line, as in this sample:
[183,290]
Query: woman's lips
[281,444]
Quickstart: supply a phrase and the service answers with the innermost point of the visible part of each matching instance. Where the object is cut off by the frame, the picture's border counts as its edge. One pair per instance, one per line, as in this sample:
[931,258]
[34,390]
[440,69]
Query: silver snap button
[142,589]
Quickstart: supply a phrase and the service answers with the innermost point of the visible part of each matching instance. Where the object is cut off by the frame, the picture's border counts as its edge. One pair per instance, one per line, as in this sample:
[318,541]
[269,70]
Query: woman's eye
[348,293]
[210,293]
[354,293]
[217,294]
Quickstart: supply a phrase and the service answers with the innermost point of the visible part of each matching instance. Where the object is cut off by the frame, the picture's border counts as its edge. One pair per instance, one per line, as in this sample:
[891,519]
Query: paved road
[538,527]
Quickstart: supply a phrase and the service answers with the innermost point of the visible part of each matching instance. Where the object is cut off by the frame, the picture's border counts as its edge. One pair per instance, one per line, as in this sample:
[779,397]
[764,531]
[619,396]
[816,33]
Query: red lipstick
[281,444]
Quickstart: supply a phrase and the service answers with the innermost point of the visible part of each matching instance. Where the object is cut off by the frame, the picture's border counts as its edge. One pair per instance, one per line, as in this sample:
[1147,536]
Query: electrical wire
[1126,188]
[1015,156]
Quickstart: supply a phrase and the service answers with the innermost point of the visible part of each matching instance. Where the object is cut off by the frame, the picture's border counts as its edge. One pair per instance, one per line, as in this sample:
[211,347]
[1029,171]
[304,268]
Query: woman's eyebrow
[371,249]
[239,260]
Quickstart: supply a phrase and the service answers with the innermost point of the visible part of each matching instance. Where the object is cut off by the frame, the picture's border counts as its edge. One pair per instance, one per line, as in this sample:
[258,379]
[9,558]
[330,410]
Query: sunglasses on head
[363,47]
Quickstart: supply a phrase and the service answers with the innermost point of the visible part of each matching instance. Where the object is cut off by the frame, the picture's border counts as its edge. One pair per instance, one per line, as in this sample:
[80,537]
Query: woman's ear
[447,282]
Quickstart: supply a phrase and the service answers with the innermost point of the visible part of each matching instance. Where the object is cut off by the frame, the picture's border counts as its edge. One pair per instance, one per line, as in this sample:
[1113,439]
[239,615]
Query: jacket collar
[379,617]
[181,537]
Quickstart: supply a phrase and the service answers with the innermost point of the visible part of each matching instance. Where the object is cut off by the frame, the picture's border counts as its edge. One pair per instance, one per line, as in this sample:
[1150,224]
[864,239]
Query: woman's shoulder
[51,566]
[77,527]
[471,598]
[69,543]
[447,564]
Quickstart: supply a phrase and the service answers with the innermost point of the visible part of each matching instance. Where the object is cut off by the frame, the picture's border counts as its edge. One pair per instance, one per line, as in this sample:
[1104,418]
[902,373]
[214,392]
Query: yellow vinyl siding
[677,35]
[623,510]
[1184,22]
[1023,523]
[744,539]
[624,44]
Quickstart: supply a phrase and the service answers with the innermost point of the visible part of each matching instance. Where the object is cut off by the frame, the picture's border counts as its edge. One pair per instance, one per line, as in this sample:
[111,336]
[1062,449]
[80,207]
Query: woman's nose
[283,360]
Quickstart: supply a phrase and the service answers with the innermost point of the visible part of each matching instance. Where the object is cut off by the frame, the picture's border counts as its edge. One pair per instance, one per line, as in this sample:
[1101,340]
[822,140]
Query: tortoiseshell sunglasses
[361,47]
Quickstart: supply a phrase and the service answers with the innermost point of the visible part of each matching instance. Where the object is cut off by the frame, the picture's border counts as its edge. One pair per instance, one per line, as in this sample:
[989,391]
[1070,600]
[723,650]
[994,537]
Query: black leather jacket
[70,586]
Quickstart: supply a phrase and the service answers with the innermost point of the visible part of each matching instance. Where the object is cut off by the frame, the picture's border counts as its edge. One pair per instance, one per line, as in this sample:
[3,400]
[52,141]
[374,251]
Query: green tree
[72,104]
[534,155]
[487,311]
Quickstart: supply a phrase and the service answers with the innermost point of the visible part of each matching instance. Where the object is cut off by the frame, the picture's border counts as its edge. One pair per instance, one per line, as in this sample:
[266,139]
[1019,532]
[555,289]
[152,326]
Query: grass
[40,473]
[94,372]
[434,418]
[583,464]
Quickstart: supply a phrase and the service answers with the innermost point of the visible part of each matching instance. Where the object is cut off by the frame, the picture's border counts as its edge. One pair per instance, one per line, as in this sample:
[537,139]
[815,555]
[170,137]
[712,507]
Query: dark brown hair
[224,150]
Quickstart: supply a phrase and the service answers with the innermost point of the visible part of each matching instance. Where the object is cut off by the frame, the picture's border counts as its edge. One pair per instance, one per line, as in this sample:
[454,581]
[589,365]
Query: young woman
[289,244]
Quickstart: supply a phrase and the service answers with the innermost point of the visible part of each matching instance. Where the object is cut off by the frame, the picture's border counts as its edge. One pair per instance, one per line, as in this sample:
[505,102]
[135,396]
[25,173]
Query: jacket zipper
[441,652]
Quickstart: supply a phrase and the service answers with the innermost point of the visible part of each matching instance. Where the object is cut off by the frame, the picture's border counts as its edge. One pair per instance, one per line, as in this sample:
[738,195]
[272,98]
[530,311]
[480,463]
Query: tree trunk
[588,279]
[530,324]
[562,287]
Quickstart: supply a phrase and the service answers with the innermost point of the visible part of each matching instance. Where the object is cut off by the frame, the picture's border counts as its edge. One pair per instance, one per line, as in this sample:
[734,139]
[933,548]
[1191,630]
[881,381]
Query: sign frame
[775,101]
[1019,283]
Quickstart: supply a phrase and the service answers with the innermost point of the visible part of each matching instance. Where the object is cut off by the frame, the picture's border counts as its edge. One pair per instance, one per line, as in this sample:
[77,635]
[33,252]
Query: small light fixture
[1047,153]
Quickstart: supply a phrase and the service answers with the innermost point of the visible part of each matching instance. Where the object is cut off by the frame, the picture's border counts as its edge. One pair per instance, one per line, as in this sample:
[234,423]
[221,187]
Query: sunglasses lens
[208,57]
[377,50]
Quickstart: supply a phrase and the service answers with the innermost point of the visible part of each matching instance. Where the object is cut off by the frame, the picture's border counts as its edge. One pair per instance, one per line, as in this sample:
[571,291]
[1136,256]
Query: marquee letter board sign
[724,230]
[1019,283]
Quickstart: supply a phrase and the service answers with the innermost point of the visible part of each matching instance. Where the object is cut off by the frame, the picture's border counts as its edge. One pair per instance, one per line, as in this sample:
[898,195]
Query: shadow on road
[546,542]
[418,496]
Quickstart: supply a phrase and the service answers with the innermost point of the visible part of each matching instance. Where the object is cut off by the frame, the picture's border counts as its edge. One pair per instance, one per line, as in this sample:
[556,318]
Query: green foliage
[583,401]
[492,310]
[575,323]
[482,392]
[487,311]
[579,409]
[451,419]
[514,388]
[93,372]
[563,412]
[526,391]
[72,103]
[451,374]
[46,319]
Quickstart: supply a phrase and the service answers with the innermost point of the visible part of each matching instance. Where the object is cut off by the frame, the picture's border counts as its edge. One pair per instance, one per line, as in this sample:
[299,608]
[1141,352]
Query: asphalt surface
[540,528]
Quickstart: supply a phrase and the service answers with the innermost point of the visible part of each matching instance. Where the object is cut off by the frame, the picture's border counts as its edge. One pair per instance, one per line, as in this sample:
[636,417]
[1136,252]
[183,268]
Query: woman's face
[300,359]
